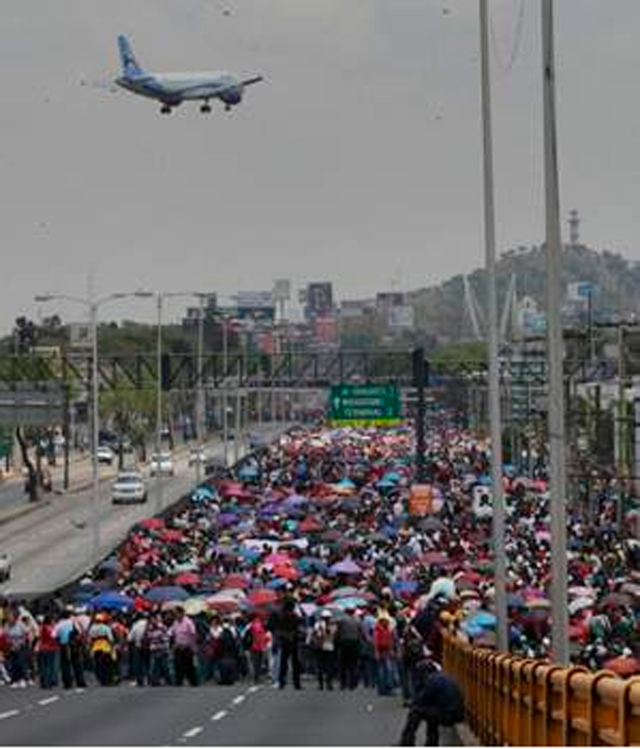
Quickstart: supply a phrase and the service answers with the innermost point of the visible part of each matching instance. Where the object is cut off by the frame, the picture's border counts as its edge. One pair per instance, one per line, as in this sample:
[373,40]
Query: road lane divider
[193,732]
[9,714]
[48,700]
[219,715]
[239,699]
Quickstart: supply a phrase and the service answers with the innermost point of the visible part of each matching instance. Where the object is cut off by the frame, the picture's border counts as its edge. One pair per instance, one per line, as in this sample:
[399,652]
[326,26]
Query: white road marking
[220,715]
[80,690]
[9,714]
[193,732]
[239,699]
[48,700]
[253,690]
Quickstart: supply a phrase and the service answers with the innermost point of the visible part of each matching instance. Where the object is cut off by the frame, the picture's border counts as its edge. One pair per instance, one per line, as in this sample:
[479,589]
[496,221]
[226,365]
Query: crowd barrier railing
[517,701]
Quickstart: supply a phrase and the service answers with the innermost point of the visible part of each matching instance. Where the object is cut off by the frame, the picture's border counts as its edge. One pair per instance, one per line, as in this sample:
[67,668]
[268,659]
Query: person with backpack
[436,701]
[71,642]
[385,650]
[102,649]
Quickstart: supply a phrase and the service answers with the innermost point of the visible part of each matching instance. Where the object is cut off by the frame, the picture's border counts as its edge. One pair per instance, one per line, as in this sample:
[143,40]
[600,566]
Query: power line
[515,50]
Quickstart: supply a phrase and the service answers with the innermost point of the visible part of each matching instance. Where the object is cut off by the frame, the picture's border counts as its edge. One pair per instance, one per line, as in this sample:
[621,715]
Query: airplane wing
[101,84]
[251,81]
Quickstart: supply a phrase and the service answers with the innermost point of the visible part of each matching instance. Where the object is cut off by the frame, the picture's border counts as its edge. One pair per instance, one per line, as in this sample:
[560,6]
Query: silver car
[128,487]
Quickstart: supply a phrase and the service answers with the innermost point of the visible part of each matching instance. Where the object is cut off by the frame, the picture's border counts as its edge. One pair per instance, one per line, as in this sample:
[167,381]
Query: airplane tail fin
[127,58]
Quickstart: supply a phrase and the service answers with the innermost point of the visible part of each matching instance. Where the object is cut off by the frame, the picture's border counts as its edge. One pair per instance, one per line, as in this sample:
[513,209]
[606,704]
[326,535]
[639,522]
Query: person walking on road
[384,647]
[324,643]
[158,640]
[257,641]
[185,643]
[71,644]
[349,640]
[102,649]
[287,629]
[47,649]
[139,644]
[436,700]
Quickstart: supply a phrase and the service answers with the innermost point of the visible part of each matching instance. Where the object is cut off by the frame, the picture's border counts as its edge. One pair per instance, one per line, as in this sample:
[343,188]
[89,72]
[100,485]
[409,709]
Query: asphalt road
[52,545]
[242,715]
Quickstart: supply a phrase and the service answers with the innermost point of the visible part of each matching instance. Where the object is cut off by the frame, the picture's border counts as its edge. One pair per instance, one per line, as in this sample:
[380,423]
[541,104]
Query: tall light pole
[93,306]
[160,297]
[556,415]
[499,552]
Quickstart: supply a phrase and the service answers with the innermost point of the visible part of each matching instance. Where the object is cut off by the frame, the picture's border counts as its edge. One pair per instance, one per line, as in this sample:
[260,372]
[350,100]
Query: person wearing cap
[102,649]
[323,639]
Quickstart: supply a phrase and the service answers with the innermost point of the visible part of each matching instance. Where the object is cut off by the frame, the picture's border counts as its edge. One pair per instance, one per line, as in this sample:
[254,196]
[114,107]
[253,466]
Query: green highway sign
[365,405]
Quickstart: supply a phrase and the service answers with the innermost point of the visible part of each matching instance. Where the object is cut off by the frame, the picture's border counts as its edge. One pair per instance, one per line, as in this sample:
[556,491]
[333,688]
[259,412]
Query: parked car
[197,455]
[105,454]
[128,487]
[5,567]
[161,464]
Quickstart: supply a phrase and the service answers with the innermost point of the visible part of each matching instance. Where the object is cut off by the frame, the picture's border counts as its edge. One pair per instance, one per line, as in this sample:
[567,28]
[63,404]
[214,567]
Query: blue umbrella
[353,602]
[110,565]
[404,587]
[483,619]
[202,494]
[164,593]
[307,564]
[112,599]
[276,583]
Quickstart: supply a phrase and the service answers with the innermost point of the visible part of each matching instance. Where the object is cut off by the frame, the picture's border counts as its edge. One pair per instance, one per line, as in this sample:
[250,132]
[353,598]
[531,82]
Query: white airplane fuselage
[174,88]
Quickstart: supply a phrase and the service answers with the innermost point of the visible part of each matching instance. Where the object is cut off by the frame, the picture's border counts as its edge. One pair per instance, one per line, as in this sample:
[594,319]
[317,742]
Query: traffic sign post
[365,405]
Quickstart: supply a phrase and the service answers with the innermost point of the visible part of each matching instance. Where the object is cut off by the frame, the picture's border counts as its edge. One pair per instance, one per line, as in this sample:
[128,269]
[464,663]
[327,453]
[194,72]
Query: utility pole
[556,411]
[158,440]
[499,512]
[200,404]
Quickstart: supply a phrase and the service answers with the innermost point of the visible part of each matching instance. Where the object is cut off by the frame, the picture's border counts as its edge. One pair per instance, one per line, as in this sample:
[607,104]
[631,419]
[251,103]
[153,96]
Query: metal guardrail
[523,702]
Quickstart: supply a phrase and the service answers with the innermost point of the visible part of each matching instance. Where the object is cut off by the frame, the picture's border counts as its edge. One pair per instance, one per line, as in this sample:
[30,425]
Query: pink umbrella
[187,578]
[277,558]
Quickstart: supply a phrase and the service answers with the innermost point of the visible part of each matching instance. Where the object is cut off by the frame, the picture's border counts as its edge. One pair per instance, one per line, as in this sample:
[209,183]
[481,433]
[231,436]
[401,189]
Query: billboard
[80,335]
[319,299]
[258,305]
[401,317]
[281,290]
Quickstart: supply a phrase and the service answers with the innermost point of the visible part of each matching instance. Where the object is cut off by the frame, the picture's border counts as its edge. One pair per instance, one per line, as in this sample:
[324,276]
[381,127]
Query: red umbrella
[151,524]
[172,534]
[434,557]
[262,597]
[624,665]
[286,572]
[235,581]
[187,578]
[311,525]
[227,606]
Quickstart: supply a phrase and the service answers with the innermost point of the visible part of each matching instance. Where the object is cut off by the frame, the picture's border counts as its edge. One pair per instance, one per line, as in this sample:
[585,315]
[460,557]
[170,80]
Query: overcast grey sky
[357,162]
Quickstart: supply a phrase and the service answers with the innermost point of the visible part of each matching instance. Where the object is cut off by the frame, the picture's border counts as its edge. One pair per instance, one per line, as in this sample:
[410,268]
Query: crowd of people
[309,561]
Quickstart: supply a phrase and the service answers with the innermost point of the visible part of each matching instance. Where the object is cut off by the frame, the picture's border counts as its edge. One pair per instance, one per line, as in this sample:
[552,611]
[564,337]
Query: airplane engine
[233,96]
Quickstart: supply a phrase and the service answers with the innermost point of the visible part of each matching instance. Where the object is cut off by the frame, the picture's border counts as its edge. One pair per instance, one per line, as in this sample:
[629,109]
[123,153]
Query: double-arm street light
[93,305]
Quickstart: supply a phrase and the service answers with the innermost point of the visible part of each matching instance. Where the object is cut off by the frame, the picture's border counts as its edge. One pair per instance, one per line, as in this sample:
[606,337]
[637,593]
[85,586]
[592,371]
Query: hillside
[441,309]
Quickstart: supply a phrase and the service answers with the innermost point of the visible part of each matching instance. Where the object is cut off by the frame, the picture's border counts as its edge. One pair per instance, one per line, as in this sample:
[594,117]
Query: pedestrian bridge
[523,702]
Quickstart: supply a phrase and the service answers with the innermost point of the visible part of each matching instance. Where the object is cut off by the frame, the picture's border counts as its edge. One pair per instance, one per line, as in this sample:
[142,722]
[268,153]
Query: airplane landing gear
[227,107]
[166,109]
[206,108]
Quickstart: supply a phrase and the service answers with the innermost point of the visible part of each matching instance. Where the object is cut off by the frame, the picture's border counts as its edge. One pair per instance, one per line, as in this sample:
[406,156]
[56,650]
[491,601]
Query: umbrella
[311,564]
[483,619]
[195,606]
[113,600]
[430,524]
[579,604]
[623,665]
[615,600]
[538,603]
[202,494]
[277,558]
[172,534]
[151,524]
[262,597]
[404,588]
[632,589]
[434,557]
[164,593]
[285,571]
[276,583]
[311,525]
[235,581]
[187,578]
[354,602]
[109,565]
[344,592]
[346,567]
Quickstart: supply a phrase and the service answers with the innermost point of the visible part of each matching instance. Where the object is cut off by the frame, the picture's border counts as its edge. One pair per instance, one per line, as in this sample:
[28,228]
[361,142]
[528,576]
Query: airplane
[171,89]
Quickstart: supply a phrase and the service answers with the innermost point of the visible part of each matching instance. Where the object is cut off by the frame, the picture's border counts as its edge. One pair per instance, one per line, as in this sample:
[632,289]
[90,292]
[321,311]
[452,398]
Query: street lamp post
[160,297]
[93,306]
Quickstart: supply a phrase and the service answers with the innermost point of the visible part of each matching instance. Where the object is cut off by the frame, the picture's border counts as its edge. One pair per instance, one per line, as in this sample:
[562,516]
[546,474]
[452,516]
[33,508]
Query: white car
[105,454]
[5,568]
[128,487]
[161,464]
[197,455]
